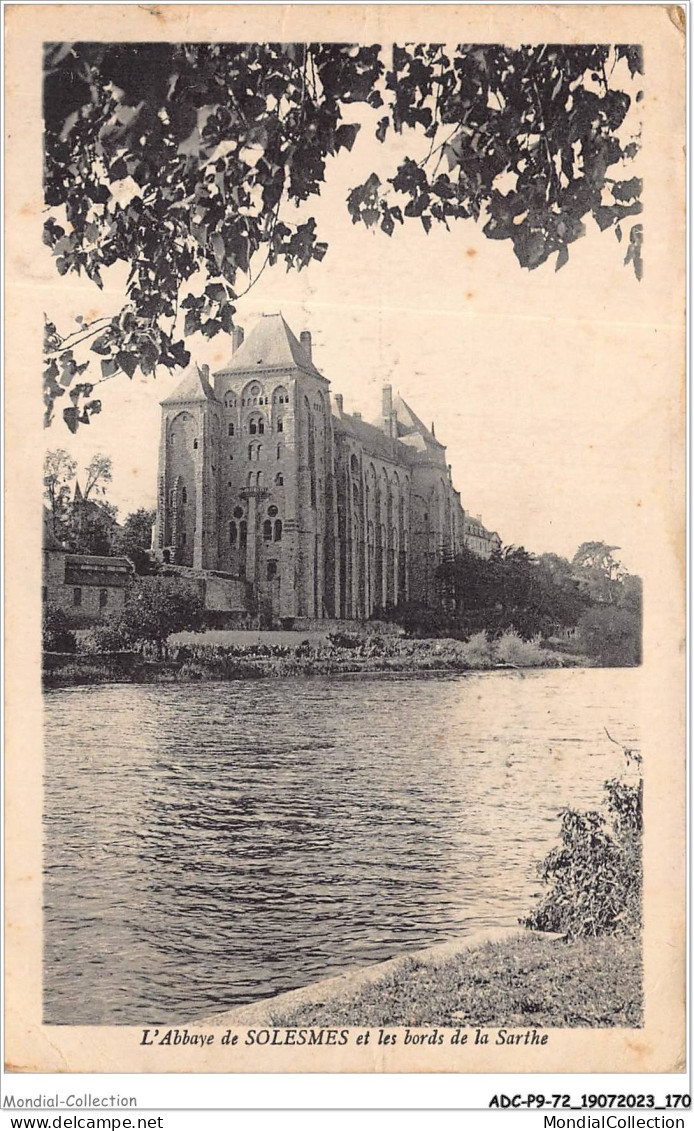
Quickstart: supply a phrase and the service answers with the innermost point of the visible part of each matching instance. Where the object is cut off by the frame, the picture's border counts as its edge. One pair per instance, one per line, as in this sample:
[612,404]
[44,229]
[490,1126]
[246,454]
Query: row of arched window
[257,479]
[247,402]
[255,451]
[256,427]
[238,532]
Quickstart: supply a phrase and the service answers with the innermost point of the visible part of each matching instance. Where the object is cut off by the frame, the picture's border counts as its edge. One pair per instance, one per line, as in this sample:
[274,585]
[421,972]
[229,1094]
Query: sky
[539,383]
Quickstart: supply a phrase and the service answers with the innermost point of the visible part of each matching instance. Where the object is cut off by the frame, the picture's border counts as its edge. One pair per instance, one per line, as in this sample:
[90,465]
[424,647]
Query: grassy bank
[197,660]
[530,980]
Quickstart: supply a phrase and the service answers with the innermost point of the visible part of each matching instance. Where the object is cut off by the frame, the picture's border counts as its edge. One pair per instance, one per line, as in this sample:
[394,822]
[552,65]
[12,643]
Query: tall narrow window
[233,533]
[195,444]
[279,480]
[278,530]
[231,429]
[77,597]
[280,425]
[253,427]
[184,495]
[243,532]
[267,530]
[279,451]
[103,598]
[271,570]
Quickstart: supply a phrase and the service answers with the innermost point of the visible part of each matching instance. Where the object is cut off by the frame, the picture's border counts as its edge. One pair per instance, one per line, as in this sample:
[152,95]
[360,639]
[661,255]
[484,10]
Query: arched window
[195,444]
[267,530]
[278,530]
[231,429]
[354,465]
[252,426]
[279,480]
[280,425]
[250,451]
[233,533]
[184,495]
[259,479]
[243,532]
[279,451]
[272,511]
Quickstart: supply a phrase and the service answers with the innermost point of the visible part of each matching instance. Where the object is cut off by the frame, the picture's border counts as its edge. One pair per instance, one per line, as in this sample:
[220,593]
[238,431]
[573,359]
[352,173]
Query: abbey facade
[264,477]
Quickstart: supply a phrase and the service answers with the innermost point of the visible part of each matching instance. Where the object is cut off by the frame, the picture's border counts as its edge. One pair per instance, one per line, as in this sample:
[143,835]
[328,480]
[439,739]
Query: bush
[56,634]
[611,635]
[345,639]
[156,607]
[595,876]
[512,649]
[111,636]
[477,651]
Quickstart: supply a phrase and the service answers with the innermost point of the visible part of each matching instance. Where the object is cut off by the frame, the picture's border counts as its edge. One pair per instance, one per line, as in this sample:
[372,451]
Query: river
[210,844]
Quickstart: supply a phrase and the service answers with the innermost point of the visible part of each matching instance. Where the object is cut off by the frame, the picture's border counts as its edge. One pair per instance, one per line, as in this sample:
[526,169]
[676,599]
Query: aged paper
[590,361]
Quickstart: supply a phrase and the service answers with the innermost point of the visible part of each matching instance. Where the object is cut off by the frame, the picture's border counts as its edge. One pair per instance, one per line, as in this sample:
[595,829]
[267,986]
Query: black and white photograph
[352,682]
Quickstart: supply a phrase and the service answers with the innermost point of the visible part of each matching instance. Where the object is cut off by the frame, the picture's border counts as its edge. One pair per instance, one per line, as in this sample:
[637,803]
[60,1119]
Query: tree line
[591,597]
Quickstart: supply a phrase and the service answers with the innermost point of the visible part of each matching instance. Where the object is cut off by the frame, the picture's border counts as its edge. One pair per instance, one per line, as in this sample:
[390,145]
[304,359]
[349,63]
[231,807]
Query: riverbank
[196,660]
[505,978]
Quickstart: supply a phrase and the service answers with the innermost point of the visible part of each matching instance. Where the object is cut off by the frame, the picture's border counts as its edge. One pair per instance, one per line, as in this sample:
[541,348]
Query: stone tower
[277,500]
[186,528]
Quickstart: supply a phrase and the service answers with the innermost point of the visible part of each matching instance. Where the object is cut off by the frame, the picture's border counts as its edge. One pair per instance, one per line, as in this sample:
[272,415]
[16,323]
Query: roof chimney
[236,338]
[356,415]
[387,399]
[339,404]
[305,339]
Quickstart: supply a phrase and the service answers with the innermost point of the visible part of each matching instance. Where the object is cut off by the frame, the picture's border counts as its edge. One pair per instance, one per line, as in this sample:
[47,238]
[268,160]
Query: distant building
[87,587]
[266,479]
[477,538]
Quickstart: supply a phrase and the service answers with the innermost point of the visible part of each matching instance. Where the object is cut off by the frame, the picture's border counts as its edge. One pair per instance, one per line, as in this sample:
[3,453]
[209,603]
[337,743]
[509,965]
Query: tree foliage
[85,526]
[510,590]
[611,635]
[56,630]
[134,538]
[595,875]
[59,469]
[99,473]
[157,606]
[179,160]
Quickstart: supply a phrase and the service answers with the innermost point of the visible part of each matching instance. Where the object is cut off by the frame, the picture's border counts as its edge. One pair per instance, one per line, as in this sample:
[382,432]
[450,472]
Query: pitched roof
[271,344]
[194,387]
[372,439]
[409,422]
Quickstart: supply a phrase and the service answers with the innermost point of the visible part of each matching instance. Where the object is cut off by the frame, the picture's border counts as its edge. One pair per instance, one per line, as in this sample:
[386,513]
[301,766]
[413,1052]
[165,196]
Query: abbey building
[264,477]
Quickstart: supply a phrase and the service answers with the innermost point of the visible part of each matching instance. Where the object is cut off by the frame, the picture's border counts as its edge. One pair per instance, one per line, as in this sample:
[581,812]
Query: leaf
[382,129]
[127,362]
[627,190]
[109,367]
[345,136]
[216,291]
[218,248]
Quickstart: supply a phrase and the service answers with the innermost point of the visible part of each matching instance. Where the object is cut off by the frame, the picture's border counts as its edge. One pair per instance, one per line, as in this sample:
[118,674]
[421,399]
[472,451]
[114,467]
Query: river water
[210,844]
